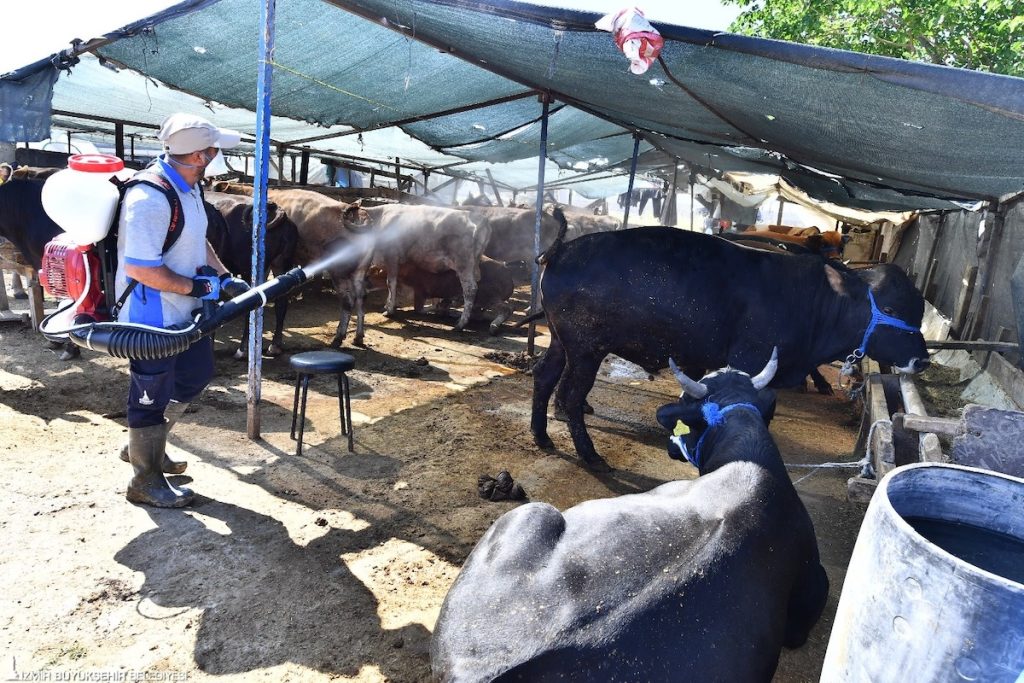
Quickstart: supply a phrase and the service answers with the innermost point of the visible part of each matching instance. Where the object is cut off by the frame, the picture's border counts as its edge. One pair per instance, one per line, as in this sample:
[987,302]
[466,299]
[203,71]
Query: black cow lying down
[646,294]
[702,580]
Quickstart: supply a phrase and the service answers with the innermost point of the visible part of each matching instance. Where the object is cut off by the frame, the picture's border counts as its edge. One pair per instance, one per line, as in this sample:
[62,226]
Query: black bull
[702,580]
[650,293]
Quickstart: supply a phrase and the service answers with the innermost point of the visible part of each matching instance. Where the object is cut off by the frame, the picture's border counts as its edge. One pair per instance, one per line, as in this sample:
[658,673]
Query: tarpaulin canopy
[462,77]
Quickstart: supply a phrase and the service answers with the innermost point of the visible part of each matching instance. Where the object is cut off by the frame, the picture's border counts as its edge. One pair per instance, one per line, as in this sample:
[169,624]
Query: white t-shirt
[142,229]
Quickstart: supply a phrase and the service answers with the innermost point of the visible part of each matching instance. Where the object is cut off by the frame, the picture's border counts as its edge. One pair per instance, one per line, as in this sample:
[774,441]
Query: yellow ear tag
[681,429]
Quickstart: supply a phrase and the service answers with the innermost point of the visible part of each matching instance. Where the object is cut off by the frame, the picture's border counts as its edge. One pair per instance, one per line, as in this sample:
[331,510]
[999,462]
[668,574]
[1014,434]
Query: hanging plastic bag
[635,36]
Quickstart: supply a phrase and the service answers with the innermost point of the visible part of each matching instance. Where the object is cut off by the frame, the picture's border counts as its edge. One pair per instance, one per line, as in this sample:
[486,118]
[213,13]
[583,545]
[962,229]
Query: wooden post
[494,187]
[928,286]
[131,138]
[880,423]
[280,165]
[119,140]
[398,174]
[304,171]
[929,449]
[963,301]
[782,207]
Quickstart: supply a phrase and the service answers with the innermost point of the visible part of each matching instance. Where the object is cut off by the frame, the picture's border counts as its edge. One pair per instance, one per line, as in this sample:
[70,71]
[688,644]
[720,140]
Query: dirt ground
[330,565]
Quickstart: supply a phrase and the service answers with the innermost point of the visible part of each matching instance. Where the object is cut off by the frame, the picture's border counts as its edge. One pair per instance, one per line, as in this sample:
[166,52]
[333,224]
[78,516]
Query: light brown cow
[829,244]
[433,238]
[511,232]
[584,222]
[328,227]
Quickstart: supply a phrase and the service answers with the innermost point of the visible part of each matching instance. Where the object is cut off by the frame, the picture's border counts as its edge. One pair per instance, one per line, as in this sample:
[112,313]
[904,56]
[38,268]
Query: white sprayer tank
[81,199]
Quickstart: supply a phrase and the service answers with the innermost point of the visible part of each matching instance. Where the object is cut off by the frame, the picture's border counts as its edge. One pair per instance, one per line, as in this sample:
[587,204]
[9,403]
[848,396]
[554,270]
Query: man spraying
[161,249]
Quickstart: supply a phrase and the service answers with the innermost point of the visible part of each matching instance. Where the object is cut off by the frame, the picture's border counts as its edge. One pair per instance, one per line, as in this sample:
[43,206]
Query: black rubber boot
[172,413]
[149,486]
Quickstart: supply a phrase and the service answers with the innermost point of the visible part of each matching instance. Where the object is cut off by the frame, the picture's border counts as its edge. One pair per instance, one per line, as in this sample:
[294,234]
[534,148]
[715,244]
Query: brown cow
[511,232]
[584,222]
[329,228]
[828,244]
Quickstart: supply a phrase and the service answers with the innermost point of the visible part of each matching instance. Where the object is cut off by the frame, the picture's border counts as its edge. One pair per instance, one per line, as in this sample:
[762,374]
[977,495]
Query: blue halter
[714,415]
[877,318]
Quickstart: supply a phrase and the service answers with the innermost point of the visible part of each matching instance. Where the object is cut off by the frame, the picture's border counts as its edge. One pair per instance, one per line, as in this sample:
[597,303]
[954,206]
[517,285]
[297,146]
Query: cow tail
[552,251]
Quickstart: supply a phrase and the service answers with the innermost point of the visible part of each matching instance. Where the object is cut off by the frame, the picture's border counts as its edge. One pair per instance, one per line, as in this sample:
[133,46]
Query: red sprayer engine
[72,271]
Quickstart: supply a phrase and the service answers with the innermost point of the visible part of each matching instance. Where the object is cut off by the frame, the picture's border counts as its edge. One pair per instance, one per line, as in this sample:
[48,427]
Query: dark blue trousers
[155,383]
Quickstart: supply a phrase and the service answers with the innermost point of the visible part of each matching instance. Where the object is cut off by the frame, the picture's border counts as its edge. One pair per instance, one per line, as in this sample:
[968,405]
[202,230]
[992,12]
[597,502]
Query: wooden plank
[928,287]
[5,304]
[35,302]
[933,425]
[978,320]
[497,195]
[911,399]
[963,301]
[882,449]
[931,450]
[860,490]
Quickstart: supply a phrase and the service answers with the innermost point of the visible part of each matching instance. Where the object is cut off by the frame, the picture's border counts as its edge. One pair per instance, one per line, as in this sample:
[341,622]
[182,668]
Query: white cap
[185,133]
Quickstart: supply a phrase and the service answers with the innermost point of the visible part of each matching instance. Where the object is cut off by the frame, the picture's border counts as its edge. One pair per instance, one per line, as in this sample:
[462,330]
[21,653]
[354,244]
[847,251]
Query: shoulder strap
[148,176]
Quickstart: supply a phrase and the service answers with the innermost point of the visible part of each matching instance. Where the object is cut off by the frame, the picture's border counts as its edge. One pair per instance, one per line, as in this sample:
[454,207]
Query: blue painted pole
[545,98]
[632,177]
[259,198]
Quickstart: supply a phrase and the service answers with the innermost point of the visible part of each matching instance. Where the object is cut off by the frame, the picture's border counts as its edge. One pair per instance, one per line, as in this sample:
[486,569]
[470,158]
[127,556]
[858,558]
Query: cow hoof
[239,354]
[274,350]
[53,345]
[336,342]
[544,442]
[596,463]
[71,354]
[360,342]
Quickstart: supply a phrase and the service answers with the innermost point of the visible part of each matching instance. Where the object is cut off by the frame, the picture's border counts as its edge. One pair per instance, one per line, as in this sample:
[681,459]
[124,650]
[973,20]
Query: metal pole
[259,199]
[545,99]
[691,198]
[632,177]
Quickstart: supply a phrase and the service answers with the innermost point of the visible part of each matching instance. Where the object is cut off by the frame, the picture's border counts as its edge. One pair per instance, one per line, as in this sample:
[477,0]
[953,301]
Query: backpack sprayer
[80,264]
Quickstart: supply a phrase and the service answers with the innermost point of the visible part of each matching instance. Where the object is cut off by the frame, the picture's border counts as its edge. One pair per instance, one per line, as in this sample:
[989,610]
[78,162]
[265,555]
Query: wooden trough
[897,430]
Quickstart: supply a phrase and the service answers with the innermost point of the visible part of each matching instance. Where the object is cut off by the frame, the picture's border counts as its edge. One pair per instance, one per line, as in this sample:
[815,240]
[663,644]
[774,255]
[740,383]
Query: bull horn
[765,376]
[691,387]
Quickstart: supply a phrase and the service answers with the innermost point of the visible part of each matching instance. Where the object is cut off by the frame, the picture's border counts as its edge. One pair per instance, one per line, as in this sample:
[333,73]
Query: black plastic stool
[320,363]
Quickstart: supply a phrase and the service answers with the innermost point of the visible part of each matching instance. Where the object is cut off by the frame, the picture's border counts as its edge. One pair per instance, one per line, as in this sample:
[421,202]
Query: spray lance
[143,342]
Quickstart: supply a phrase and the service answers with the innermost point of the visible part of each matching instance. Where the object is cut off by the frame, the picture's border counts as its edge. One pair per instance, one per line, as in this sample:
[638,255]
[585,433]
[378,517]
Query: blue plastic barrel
[935,586]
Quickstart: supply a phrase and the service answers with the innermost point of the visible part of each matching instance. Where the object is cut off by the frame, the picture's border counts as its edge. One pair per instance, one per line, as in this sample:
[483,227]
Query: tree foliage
[985,35]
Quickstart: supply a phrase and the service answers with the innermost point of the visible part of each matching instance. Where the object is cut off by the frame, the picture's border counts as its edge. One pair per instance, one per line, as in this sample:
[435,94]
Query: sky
[68,19]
